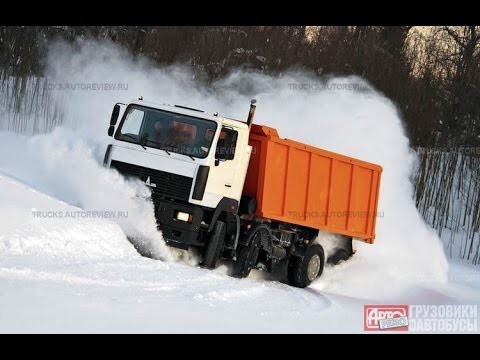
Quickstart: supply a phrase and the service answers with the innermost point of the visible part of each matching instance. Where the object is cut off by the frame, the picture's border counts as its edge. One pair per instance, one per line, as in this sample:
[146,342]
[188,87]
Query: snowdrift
[27,234]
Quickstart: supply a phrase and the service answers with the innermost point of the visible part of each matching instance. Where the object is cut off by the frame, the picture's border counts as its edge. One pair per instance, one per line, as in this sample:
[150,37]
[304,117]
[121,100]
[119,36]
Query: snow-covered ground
[83,275]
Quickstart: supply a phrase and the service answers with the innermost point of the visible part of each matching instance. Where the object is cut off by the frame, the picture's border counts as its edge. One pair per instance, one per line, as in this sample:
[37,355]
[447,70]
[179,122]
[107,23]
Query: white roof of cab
[172,108]
[167,107]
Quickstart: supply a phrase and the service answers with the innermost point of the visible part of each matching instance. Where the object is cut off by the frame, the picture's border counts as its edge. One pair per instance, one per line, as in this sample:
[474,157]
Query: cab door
[223,168]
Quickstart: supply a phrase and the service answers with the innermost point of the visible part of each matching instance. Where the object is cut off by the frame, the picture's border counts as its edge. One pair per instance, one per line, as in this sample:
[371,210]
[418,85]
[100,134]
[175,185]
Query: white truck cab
[195,164]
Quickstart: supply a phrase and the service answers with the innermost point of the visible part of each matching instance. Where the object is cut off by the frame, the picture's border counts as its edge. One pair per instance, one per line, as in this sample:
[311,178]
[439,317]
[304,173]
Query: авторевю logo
[385,317]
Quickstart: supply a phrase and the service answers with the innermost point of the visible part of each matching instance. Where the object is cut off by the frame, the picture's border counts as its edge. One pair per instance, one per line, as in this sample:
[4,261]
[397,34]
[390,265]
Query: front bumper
[179,233]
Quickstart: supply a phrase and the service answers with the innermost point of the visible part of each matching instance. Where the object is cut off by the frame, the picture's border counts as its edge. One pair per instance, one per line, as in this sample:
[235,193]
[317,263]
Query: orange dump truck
[304,185]
[237,191]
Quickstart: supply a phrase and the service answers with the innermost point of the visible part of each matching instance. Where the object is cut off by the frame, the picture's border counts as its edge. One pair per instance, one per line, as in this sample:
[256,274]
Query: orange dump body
[308,186]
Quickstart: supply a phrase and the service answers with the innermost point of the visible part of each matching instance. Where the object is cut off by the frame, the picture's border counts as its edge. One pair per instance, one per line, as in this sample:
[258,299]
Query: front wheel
[303,270]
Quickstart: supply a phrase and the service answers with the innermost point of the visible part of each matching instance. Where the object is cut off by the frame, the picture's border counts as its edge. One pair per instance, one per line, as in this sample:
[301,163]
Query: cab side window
[226,144]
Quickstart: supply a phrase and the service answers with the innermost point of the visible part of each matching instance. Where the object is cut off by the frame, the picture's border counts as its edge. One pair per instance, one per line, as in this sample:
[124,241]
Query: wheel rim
[313,267]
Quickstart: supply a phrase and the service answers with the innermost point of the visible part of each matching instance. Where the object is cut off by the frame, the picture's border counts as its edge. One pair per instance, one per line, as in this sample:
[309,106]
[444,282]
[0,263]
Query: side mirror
[115,113]
[113,119]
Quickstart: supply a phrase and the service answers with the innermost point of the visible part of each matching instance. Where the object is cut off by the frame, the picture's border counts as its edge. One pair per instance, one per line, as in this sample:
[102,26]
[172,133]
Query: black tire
[214,247]
[247,256]
[300,272]
[339,255]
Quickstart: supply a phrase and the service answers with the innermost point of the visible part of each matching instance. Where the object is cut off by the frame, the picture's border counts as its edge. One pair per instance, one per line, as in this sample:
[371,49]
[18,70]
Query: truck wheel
[214,246]
[343,252]
[303,270]
[339,255]
[247,256]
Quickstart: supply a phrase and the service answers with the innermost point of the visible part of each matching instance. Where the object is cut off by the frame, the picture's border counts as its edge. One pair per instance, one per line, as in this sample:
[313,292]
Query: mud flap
[213,250]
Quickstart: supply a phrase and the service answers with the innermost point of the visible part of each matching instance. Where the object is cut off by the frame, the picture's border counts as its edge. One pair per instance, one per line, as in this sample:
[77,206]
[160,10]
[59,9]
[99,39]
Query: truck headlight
[183,216]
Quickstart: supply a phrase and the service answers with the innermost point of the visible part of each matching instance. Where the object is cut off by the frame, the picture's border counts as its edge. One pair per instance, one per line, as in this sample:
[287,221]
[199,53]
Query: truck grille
[168,185]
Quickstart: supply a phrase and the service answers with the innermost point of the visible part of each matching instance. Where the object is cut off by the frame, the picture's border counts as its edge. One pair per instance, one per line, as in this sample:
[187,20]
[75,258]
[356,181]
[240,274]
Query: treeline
[431,73]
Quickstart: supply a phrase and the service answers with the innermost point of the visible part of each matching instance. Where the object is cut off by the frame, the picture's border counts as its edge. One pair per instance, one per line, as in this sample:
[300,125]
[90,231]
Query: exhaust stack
[251,113]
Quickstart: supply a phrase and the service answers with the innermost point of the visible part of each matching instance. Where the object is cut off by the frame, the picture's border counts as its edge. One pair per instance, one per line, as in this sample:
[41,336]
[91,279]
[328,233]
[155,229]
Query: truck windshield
[168,131]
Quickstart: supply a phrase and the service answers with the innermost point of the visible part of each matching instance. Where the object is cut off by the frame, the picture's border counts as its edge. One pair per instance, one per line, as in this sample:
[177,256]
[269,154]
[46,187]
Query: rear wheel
[342,252]
[214,247]
[303,270]
[338,256]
